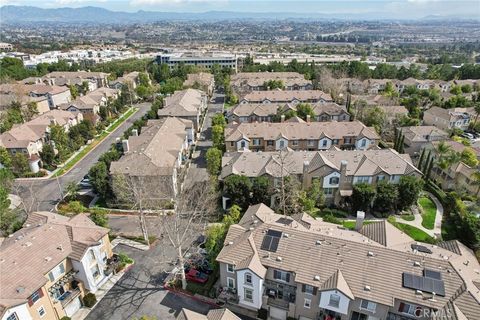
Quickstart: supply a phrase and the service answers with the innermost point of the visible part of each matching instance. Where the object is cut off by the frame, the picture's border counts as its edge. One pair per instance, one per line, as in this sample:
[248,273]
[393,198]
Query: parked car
[468,135]
[202,266]
[196,276]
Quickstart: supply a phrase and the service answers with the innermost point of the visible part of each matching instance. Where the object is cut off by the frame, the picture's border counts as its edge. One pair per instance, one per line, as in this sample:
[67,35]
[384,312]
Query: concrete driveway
[46,192]
[140,291]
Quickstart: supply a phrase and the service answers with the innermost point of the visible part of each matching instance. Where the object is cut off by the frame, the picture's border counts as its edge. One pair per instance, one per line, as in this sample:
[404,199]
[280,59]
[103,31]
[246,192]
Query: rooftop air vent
[316,278]
[416,264]
[230,243]
[370,254]
[285,235]
[318,242]
[279,259]
[419,292]
[27,244]
[367,288]
[48,259]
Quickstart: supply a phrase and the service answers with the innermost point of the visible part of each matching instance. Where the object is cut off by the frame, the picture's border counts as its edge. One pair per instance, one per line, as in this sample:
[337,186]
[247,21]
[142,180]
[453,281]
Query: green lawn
[415,233]
[407,217]
[96,141]
[429,212]
[350,224]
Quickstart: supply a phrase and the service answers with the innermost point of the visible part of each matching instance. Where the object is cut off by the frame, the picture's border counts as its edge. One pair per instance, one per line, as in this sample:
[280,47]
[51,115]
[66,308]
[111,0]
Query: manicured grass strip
[414,233]
[96,141]
[350,224]
[120,120]
[407,217]
[429,212]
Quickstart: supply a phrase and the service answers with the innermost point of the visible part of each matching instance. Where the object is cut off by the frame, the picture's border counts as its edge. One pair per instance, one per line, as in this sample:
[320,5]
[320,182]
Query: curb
[189,295]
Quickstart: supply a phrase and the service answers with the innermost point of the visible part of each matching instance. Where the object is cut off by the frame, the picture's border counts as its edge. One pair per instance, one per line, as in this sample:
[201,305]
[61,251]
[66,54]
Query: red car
[196,276]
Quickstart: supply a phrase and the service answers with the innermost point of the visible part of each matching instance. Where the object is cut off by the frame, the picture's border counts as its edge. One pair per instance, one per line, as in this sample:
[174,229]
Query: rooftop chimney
[135,132]
[282,118]
[125,146]
[360,218]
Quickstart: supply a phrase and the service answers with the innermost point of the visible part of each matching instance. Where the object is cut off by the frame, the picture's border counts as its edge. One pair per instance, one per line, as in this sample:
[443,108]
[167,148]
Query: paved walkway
[130,243]
[83,312]
[417,222]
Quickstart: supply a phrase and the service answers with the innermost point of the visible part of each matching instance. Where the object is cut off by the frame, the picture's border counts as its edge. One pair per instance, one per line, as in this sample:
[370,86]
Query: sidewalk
[417,222]
[83,312]
[130,243]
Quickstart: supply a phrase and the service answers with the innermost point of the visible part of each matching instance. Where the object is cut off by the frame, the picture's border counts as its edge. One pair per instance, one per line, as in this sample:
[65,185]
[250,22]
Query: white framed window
[242,144]
[95,271]
[309,289]
[380,178]
[13,316]
[248,278]
[91,256]
[364,143]
[269,143]
[409,309]
[334,180]
[35,297]
[307,303]
[334,300]
[230,283]
[41,311]
[368,305]
[295,142]
[282,144]
[324,143]
[256,142]
[230,268]
[281,275]
[248,294]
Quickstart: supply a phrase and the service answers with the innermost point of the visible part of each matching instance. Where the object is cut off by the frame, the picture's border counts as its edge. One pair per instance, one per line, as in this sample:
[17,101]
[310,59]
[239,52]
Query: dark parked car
[196,276]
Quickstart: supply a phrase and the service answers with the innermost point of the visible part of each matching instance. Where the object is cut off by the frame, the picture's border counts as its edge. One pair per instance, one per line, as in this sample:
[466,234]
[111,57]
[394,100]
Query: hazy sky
[402,8]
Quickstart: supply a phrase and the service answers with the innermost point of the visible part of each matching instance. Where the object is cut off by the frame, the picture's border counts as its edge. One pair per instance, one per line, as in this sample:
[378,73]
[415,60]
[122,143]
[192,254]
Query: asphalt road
[45,193]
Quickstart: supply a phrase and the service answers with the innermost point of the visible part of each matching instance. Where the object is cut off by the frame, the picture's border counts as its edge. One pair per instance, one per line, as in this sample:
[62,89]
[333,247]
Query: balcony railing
[277,302]
[68,296]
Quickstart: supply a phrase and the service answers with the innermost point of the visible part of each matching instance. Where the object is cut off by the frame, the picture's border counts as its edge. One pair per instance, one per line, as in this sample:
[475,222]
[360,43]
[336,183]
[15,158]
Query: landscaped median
[70,163]
[413,232]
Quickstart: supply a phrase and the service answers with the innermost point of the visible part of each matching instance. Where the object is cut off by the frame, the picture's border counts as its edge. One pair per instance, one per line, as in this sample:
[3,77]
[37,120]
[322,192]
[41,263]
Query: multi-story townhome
[353,85]
[416,137]
[202,80]
[200,59]
[337,171]
[214,314]
[62,78]
[131,79]
[394,113]
[257,81]
[189,104]
[310,136]
[152,161]
[54,95]
[307,269]
[449,118]
[374,86]
[288,96]
[458,176]
[412,82]
[269,112]
[50,264]
[28,138]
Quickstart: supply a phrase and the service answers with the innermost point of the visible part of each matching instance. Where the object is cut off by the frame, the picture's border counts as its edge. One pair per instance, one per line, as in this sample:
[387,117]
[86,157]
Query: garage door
[278,314]
[73,307]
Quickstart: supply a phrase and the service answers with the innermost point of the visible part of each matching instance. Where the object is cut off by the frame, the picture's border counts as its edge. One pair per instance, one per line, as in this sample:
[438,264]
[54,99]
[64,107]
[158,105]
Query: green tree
[469,157]
[374,117]
[142,91]
[315,192]
[214,161]
[409,189]
[261,191]
[238,189]
[48,155]
[385,198]
[72,190]
[218,137]
[20,164]
[99,178]
[304,110]
[99,217]
[456,90]
[29,111]
[362,196]
[5,158]
[73,91]
[143,79]
[219,119]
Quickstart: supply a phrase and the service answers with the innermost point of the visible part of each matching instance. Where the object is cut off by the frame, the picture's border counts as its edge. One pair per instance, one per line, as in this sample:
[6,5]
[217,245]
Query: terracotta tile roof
[299,131]
[255,79]
[419,133]
[215,314]
[30,253]
[184,103]
[201,78]
[370,271]
[286,96]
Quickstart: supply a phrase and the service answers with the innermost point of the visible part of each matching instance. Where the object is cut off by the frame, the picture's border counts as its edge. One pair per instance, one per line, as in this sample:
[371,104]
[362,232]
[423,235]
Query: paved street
[140,291]
[46,193]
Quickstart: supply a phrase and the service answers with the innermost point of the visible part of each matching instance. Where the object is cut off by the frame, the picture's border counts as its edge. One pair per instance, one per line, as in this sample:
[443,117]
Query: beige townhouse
[260,112]
[447,119]
[151,163]
[303,268]
[286,96]
[265,136]
[337,171]
[415,137]
[243,82]
[50,264]
[214,314]
[28,138]
[202,81]
[189,104]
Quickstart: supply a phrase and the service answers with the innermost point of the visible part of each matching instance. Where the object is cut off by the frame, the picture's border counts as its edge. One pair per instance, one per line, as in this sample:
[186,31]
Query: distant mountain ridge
[13,14]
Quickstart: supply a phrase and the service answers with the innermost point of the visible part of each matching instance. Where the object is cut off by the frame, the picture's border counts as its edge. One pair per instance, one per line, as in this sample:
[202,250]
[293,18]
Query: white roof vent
[27,244]
[416,264]
[367,288]
[60,247]
[230,243]
[285,235]
[48,259]
[255,221]
[316,278]
[318,242]
[279,259]
[370,254]
[251,228]
[419,292]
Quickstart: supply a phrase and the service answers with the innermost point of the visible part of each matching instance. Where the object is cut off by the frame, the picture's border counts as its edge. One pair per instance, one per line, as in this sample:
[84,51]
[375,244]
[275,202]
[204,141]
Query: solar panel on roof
[271,240]
[424,284]
[429,273]
[420,248]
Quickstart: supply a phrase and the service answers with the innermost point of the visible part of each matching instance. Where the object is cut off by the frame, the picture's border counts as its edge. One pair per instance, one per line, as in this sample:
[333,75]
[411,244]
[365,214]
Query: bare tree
[289,185]
[194,206]
[29,202]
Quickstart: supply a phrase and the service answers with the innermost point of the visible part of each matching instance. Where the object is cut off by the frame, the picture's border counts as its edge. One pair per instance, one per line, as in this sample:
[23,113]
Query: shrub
[89,300]
[330,218]
[262,314]
[65,318]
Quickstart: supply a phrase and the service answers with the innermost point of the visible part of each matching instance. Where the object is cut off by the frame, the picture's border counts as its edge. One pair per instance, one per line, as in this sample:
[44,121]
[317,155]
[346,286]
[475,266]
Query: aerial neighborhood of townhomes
[239,160]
